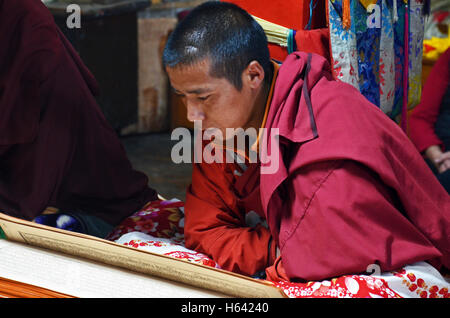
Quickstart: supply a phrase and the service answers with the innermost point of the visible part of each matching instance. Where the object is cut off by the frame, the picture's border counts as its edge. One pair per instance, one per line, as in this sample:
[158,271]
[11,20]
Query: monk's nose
[194,112]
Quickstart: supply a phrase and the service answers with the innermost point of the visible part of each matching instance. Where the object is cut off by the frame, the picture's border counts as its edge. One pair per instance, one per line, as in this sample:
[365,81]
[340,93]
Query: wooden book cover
[89,248]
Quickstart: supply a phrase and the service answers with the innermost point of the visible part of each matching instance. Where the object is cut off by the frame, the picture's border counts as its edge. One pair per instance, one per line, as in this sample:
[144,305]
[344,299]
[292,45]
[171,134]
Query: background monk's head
[218,61]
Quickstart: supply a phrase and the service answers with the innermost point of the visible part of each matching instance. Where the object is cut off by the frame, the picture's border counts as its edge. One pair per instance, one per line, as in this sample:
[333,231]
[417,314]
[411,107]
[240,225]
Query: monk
[429,124]
[350,189]
[56,148]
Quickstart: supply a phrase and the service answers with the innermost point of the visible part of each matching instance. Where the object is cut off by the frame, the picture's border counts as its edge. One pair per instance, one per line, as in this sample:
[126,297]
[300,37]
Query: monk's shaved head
[224,33]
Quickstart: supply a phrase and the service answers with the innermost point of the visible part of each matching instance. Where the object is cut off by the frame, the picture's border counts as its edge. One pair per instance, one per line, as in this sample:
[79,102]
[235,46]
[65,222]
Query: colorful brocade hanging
[368,39]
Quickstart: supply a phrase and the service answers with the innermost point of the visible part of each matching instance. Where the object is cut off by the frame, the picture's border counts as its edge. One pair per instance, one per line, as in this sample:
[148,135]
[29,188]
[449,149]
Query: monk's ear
[253,75]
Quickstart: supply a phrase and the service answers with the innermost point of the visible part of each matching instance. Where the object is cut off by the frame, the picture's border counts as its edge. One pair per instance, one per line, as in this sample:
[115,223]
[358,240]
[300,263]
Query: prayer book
[38,260]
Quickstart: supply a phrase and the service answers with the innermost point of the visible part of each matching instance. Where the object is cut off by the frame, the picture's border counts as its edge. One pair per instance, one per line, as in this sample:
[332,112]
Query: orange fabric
[276,272]
[14,289]
[215,218]
[346,14]
[276,67]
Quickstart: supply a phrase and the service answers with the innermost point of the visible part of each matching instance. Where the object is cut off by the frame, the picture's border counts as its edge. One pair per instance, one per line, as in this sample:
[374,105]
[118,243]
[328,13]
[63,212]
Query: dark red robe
[56,148]
[351,189]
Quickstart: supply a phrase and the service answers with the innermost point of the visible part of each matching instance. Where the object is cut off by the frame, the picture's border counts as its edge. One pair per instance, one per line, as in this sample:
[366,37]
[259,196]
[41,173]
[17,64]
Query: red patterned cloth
[419,280]
[352,286]
[158,228]
[173,247]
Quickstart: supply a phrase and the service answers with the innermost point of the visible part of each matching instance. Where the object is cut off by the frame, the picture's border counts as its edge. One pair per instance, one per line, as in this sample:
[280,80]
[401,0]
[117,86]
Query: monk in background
[56,148]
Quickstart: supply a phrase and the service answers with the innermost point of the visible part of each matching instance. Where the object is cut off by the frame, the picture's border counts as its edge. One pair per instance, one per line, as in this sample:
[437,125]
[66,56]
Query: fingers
[444,166]
[443,157]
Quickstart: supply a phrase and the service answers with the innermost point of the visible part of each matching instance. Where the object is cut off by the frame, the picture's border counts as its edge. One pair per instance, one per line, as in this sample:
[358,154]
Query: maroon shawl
[351,189]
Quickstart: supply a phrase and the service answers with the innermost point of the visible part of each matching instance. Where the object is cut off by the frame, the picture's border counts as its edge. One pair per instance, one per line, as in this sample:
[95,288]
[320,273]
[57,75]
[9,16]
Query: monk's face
[216,102]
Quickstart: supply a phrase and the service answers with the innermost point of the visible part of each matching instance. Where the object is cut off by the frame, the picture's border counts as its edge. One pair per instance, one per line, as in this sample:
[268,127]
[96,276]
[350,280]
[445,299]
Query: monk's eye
[203,98]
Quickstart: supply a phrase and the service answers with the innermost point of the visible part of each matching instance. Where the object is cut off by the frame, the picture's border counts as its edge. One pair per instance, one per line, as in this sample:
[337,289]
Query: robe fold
[56,147]
[351,189]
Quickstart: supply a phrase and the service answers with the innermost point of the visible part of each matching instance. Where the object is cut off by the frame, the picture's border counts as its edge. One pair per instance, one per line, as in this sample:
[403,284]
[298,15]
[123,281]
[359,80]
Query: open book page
[144,262]
[83,278]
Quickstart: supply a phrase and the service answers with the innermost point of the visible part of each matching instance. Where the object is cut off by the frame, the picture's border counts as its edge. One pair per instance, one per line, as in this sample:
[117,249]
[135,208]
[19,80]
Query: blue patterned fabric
[399,51]
[61,221]
[372,58]
[368,48]
[76,221]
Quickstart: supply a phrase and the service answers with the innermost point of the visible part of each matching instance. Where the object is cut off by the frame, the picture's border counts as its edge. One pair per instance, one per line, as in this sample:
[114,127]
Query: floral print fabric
[419,280]
[159,218]
[158,228]
[169,247]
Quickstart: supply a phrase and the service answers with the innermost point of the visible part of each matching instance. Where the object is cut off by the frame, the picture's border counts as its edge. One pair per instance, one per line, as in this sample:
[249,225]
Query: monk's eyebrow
[200,91]
[195,91]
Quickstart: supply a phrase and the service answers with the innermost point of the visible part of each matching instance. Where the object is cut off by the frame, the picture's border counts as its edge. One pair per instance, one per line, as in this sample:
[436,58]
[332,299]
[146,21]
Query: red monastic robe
[351,189]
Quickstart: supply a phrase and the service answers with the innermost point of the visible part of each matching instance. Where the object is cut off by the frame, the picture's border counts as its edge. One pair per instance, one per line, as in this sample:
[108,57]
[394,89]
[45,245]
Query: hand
[434,154]
[443,162]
